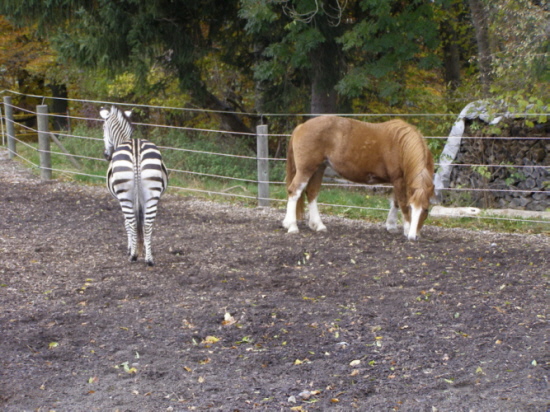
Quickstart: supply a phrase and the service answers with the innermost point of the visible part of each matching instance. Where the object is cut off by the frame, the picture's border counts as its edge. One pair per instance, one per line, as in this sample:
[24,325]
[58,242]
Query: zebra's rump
[137,165]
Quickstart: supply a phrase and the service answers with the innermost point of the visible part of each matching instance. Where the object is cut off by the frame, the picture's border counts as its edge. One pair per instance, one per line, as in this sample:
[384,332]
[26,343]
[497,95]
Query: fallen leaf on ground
[228,319]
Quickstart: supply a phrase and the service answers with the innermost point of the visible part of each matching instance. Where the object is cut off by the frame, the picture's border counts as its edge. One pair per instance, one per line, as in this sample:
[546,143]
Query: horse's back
[342,130]
[359,151]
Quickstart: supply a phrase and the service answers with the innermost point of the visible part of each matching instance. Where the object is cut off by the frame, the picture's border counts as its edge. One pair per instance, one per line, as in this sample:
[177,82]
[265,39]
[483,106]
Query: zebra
[136,176]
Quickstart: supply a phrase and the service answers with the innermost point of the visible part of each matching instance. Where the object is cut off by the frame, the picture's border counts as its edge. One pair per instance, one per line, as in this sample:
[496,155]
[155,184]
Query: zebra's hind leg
[147,234]
[130,224]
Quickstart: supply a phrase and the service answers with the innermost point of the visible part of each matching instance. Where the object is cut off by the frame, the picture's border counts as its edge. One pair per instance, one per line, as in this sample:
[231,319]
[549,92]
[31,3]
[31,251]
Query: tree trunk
[324,76]
[451,62]
[323,97]
[451,55]
[229,121]
[59,106]
[190,81]
[480,23]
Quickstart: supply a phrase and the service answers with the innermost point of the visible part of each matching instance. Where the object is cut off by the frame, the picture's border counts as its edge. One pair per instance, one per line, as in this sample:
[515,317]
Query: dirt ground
[237,315]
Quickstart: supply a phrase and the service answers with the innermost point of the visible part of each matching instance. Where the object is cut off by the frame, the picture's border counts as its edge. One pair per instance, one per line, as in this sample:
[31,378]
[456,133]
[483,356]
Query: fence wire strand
[225,192]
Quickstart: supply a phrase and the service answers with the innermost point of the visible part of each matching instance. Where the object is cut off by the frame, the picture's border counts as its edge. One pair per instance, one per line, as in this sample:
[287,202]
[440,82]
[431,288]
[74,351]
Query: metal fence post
[263,165]
[44,142]
[10,128]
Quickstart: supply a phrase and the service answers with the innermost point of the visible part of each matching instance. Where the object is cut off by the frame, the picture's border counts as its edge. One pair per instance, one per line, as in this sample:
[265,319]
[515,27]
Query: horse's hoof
[291,226]
[318,227]
[293,229]
[392,229]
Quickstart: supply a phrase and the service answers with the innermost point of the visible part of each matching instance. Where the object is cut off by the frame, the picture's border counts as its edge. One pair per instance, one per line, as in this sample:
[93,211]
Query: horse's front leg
[315,221]
[400,200]
[416,219]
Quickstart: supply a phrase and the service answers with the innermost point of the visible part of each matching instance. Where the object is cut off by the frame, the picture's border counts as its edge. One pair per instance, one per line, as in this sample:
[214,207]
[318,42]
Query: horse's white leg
[406,227]
[315,222]
[289,221]
[391,222]
[412,233]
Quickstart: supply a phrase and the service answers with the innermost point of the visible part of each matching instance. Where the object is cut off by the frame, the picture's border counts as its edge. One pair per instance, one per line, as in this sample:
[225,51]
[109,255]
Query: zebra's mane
[120,124]
[121,116]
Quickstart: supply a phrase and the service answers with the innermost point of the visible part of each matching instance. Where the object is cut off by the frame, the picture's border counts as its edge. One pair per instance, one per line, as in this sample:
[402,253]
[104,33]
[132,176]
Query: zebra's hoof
[150,263]
[133,258]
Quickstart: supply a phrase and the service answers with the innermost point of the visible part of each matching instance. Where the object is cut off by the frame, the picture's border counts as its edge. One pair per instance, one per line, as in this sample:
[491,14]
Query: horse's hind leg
[391,222]
[305,167]
[312,192]
[295,190]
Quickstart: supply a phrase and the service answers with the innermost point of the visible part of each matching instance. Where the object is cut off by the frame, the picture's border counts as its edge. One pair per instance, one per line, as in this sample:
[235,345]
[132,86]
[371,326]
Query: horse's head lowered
[421,192]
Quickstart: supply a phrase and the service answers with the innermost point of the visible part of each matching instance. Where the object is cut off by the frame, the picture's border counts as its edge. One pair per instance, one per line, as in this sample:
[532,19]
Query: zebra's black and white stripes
[136,176]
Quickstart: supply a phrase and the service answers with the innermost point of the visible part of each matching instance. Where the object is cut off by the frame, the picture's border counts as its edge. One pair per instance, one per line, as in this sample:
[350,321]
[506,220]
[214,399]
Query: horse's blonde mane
[418,166]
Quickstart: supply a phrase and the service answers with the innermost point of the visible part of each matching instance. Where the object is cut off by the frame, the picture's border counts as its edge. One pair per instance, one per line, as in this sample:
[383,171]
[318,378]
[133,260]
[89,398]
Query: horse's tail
[290,173]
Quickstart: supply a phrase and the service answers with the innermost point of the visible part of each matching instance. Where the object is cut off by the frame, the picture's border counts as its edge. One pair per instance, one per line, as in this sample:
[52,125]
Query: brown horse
[391,152]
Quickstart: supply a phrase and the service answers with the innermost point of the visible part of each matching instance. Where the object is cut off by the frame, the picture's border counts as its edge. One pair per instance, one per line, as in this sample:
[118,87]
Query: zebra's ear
[128,113]
[103,112]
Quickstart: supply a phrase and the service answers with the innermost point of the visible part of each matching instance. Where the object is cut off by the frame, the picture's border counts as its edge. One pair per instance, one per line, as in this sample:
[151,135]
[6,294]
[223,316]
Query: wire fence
[184,177]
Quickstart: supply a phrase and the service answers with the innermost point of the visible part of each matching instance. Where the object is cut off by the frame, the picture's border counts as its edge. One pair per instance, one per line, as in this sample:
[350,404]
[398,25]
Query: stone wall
[503,187]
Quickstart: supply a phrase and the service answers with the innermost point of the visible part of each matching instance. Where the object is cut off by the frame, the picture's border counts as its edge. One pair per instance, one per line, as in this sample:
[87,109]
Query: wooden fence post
[10,128]
[44,142]
[263,165]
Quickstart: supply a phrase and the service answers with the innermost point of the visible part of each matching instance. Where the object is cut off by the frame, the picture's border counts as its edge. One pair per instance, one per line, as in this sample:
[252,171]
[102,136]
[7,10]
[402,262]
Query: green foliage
[377,47]
[137,36]
[518,30]
[386,38]
[515,176]
[531,107]
[354,83]
[257,14]
[483,171]
[263,55]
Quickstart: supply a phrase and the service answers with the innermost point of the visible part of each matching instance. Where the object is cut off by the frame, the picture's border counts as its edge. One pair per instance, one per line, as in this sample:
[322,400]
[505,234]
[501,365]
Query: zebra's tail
[139,211]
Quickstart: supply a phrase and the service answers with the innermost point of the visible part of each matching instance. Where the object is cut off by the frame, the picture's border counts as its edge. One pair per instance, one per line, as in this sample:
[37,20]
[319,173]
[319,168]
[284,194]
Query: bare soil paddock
[237,315]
